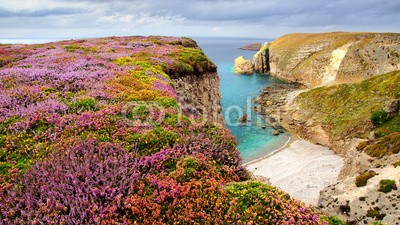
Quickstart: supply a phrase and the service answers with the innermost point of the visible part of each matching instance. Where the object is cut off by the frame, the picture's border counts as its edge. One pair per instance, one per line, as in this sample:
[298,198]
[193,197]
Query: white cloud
[269,18]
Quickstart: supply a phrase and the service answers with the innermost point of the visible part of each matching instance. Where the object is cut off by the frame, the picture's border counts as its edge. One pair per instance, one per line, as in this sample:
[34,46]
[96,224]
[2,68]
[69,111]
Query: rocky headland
[333,58]
[251,47]
[350,106]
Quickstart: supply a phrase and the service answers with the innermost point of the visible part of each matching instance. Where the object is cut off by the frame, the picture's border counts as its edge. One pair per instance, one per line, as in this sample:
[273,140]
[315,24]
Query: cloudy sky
[242,18]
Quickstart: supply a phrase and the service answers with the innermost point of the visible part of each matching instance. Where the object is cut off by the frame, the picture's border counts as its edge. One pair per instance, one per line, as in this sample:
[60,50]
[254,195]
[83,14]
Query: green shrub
[190,166]
[373,212]
[142,111]
[4,167]
[378,223]
[332,220]
[175,120]
[387,186]
[83,105]
[379,117]
[167,102]
[74,47]
[153,140]
[362,179]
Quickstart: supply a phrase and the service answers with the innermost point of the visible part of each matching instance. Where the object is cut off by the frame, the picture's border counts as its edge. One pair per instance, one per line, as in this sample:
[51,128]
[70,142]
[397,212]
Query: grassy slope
[345,110]
[289,44]
[288,47]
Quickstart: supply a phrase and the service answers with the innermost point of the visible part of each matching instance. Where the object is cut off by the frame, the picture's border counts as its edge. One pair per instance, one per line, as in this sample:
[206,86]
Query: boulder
[243,119]
[393,107]
[275,132]
[243,66]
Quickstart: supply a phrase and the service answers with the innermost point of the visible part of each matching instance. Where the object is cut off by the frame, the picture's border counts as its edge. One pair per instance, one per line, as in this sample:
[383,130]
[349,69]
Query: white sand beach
[301,169]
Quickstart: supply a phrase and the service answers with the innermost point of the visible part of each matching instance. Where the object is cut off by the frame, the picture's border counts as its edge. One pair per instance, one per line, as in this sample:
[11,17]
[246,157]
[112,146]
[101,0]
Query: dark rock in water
[243,119]
[275,132]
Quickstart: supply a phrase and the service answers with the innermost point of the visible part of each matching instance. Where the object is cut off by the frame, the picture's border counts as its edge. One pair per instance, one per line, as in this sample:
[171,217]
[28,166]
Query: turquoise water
[238,93]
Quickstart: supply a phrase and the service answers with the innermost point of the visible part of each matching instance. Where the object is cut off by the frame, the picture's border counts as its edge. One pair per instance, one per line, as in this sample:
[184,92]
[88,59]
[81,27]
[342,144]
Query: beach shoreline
[299,168]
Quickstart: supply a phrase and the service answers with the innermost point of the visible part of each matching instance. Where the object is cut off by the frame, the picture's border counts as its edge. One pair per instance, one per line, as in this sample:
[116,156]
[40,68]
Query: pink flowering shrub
[92,132]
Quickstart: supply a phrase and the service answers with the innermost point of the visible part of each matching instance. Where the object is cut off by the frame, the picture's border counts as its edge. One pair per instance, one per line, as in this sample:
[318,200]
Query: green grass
[345,110]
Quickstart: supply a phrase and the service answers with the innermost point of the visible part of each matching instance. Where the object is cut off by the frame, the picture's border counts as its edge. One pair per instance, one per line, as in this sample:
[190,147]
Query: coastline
[291,139]
[299,168]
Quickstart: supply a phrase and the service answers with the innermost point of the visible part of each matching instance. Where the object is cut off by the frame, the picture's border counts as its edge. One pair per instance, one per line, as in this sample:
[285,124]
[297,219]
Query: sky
[190,18]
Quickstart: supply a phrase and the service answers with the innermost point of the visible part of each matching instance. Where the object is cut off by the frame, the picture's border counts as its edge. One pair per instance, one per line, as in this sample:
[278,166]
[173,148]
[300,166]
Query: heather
[91,132]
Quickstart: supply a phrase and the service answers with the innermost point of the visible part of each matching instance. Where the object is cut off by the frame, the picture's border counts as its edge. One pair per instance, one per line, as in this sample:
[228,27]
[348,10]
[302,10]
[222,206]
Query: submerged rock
[243,119]
[275,132]
[243,66]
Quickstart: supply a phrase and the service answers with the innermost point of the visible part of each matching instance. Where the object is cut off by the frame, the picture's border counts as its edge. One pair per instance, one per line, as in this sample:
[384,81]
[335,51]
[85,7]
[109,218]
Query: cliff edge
[333,58]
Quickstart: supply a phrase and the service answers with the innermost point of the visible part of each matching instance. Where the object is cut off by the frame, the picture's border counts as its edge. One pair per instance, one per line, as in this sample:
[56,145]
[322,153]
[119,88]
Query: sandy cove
[300,168]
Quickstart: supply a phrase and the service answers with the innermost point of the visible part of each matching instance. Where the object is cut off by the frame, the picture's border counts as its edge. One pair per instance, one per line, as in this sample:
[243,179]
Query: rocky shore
[272,101]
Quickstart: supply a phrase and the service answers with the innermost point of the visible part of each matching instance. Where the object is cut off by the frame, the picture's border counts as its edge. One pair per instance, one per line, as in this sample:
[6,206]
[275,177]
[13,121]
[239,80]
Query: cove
[238,93]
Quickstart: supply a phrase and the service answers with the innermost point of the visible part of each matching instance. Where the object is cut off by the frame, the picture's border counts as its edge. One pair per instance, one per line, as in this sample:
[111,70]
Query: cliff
[200,96]
[111,131]
[333,58]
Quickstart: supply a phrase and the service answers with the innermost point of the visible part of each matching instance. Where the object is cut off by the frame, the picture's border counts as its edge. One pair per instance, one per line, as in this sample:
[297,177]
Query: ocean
[238,93]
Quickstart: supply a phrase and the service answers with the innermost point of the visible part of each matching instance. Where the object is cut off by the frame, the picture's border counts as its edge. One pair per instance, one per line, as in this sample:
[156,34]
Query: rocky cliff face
[261,59]
[200,95]
[333,58]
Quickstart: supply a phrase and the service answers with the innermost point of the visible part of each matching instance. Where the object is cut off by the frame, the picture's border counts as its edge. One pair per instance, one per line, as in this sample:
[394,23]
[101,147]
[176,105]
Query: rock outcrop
[243,66]
[261,59]
[201,96]
[333,58]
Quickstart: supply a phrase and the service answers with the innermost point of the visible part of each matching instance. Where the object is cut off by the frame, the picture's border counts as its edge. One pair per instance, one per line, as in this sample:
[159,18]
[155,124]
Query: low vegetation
[345,110]
[91,132]
[387,186]
[362,179]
